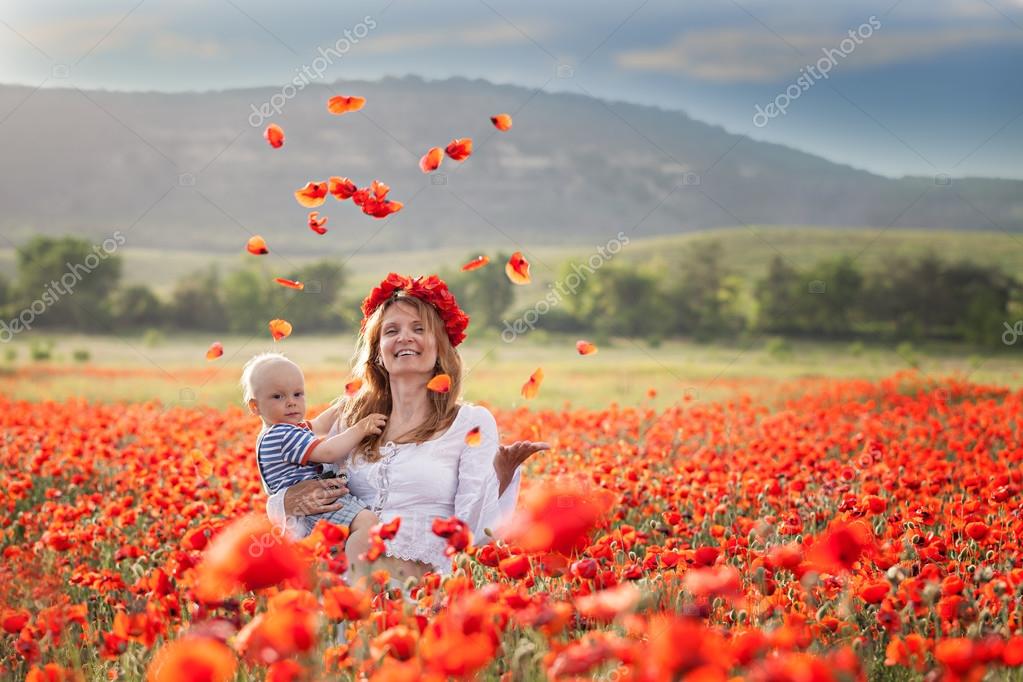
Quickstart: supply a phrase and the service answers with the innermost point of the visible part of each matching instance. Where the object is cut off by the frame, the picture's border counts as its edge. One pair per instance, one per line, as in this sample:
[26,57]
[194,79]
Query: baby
[290,449]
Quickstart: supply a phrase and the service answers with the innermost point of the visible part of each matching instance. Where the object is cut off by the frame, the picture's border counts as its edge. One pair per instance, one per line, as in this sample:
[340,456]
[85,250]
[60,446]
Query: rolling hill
[188,172]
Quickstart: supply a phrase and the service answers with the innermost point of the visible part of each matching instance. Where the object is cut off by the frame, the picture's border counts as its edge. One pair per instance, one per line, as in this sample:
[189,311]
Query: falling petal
[502,122]
[342,105]
[459,149]
[381,209]
[440,383]
[517,269]
[360,196]
[352,387]
[312,195]
[257,246]
[531,387]
[473,438]
[290,283]
[477,262]
[274,134]
[280,329]
[585,347]
[215,350]
[341,188]
[379,190]
[316,223]
[431,160]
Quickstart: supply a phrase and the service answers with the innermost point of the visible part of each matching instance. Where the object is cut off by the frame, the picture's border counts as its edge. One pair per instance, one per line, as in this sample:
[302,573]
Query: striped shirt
[282,455]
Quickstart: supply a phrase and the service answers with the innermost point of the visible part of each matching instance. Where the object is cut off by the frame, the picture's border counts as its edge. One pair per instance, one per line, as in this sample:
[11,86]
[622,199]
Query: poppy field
[859,530]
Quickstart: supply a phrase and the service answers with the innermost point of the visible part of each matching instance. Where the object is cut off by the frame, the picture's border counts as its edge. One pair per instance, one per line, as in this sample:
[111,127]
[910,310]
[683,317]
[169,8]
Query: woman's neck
[410,405]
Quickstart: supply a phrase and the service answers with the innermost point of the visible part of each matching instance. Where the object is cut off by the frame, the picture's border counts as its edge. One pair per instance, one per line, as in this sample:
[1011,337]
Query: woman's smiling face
[407,346]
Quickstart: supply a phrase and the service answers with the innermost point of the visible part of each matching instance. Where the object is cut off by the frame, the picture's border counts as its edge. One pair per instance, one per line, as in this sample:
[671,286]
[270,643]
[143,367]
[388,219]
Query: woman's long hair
[375,393]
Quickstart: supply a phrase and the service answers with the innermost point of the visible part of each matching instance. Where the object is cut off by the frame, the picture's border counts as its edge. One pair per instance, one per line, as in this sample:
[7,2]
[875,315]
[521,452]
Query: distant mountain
[190,171]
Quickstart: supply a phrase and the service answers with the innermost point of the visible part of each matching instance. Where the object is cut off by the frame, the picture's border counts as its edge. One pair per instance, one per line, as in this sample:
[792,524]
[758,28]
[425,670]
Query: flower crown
[431,289]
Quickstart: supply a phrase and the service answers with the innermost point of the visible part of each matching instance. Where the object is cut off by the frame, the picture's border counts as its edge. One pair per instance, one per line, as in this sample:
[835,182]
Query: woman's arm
[477,493]
[313,496]
[510,457]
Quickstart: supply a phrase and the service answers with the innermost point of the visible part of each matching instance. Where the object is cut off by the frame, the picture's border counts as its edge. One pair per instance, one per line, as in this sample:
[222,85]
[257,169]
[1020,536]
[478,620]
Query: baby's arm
[336,448]
[322,422]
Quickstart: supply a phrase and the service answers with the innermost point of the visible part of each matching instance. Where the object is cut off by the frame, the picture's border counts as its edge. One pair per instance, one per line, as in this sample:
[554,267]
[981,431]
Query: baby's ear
[253,406]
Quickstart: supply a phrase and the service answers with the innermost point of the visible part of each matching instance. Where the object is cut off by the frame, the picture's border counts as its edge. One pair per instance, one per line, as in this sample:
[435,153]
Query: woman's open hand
[314,496]
[510,457]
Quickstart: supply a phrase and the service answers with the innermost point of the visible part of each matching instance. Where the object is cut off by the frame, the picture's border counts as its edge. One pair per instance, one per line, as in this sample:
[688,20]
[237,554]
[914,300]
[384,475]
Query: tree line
[924,297]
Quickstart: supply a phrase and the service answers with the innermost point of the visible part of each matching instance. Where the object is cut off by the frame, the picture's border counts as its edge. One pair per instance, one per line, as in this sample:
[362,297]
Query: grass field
[747,252]
[175,370]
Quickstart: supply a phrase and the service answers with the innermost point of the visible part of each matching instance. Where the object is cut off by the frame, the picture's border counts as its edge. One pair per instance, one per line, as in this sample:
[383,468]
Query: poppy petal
[312,195]
[459,149]
[477,262]
[257,246]
[280,329]
[215,350]
[517,269]
[532,386]
[440,383]
[502,122]
[274,135]
[342,105]
[431,160]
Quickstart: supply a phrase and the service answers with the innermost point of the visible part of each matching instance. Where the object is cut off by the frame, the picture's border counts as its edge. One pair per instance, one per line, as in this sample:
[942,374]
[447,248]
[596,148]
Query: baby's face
[279,393]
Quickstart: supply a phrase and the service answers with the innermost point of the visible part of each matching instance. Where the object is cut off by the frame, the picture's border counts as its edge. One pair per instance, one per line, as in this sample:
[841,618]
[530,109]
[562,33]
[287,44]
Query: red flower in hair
[431,289]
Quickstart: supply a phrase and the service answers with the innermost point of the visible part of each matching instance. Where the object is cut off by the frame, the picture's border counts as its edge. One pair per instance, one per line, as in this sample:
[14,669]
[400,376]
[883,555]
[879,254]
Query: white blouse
[439,478]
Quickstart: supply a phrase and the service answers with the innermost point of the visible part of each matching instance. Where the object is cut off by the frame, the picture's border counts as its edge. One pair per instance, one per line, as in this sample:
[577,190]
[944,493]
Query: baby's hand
[372,425]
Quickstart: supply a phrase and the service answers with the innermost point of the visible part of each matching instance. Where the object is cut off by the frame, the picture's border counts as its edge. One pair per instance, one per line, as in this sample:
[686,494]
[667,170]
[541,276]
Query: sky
[923,87]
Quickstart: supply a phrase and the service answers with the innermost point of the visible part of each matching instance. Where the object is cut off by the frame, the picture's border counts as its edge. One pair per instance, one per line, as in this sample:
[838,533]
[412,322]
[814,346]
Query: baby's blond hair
[249,371]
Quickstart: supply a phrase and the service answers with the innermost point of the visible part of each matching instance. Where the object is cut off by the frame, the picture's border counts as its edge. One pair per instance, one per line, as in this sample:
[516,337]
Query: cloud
[480,35]
[73,37]
[170,44]
[755,56]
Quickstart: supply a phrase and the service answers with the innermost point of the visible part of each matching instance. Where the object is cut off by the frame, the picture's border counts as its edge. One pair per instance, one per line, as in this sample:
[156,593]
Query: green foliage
[778,348]
[907,352]
[248,295]
[252,298]
[71,277]
[153,338]
[622,301]
[41,350]
[196,302]
[81,355]
[822,300]
[695,291]
[778,296]
[705,298]
[137,306]
[931,298]
[485,294]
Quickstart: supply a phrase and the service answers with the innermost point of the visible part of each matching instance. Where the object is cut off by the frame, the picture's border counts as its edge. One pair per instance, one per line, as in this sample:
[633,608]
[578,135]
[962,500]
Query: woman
[422,466]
